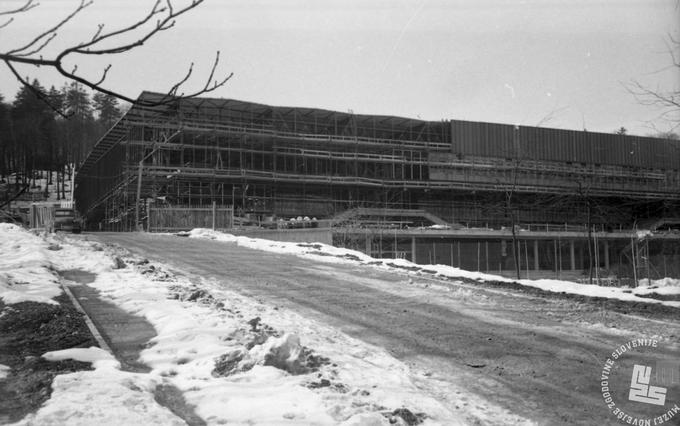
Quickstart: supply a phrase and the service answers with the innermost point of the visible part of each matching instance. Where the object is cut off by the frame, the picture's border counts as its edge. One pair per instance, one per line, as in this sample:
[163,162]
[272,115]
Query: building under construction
[392,186]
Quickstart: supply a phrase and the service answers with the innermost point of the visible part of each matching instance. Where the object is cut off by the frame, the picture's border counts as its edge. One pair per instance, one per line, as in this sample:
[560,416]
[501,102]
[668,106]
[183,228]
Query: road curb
[90,325]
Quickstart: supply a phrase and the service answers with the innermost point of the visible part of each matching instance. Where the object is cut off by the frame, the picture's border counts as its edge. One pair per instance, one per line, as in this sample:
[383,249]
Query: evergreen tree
[31,118]
[107,109]
[5,139]
[56,99]
[35,138]
[80,125]
[77,101]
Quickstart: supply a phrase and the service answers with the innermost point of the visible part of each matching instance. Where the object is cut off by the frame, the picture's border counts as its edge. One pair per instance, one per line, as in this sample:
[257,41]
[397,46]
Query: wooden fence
[171,219]
[41,216]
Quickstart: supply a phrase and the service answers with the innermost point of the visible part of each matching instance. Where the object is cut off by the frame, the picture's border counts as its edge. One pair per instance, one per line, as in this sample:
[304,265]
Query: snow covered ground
[326,253]
[41,185]
[96,356]
[25,273]
[235,360]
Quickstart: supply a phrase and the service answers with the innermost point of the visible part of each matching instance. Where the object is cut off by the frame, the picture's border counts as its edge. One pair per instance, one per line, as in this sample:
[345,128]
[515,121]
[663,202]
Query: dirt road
[494,356]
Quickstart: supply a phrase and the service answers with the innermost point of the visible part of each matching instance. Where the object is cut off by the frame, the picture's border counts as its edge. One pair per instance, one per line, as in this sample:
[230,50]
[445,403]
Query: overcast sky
[560,63]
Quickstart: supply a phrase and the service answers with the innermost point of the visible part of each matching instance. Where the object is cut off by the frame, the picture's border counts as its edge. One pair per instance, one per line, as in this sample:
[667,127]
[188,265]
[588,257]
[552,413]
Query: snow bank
[4,371]
[317,250]
[102,397]
[24,267]
[99,358]
[620,293]
[105,396]
[326,253]
[664,287]
[191,336]
[670,286]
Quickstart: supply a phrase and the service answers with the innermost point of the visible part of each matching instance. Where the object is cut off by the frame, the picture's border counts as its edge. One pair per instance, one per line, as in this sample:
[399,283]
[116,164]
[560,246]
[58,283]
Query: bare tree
[512,215]
[668,99]
[103,43]
[508,207]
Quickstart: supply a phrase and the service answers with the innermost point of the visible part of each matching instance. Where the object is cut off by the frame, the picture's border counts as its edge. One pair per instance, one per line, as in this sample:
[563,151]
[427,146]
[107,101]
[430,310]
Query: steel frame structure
[287,162]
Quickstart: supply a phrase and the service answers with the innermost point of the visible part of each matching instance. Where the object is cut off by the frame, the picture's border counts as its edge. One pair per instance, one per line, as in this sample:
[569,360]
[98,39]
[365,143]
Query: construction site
[480,196]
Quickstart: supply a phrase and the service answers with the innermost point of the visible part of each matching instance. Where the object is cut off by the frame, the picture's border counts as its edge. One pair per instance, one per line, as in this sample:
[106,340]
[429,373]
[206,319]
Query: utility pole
[139,191]
[233,204]
[138,224]
[243,202]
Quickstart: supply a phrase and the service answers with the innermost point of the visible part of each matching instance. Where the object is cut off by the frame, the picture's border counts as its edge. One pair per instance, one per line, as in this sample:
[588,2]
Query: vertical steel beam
[536,254]
[413,250]
[606,255]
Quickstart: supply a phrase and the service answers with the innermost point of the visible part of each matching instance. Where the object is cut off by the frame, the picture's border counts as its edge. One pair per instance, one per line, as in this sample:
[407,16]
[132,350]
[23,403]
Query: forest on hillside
[52,132]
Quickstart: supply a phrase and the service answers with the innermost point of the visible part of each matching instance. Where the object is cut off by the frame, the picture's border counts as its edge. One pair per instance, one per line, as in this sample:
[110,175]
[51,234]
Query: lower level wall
[324,236]
[538,258]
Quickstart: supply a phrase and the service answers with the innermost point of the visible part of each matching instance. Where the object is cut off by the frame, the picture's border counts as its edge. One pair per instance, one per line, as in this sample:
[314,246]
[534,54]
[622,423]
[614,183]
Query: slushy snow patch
[4,371]
[103,397]
[354,383]
[192,335]
[24,267]
[99,358]
[663,282]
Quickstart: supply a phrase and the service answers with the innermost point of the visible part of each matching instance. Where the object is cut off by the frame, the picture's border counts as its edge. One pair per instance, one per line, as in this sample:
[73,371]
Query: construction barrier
[172,219]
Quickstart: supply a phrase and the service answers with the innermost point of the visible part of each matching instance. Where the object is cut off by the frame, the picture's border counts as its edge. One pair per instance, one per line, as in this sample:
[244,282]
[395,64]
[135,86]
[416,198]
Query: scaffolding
[284,162]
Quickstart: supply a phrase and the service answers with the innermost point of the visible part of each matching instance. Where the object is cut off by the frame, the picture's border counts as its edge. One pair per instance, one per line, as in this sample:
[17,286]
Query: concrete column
[572,258]
[606,254]
[413,249]
[368,244]
[214,212]
[536,263]
[458,253]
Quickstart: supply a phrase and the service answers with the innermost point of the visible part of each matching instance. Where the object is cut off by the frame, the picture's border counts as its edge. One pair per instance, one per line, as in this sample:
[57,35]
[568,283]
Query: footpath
[124,335]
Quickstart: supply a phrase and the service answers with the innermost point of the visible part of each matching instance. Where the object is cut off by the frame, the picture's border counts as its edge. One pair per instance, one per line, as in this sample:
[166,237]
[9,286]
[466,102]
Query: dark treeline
[53,134]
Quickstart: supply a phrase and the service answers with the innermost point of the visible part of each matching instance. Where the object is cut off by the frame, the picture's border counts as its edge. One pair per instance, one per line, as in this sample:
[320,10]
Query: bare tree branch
[30,4]
[39,48]
[39,94]
[656,96]
[106,71]
[6,23]
[51,30]
[104,43]
[550,116]
[100,28]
